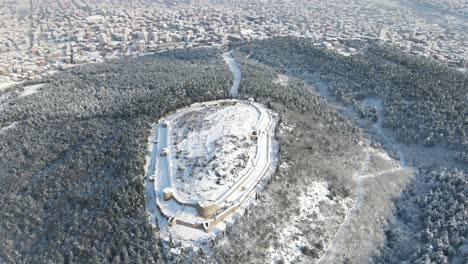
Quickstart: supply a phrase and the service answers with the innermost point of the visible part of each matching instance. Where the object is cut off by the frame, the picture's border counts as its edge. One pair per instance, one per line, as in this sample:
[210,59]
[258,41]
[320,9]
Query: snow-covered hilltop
[206,163]
[212,146]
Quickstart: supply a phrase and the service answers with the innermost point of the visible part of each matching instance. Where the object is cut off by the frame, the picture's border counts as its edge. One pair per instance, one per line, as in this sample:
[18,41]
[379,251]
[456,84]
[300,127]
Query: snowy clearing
[4,129]
[28,90]
[293,242]
[282,80]
[4,86]
[377,164]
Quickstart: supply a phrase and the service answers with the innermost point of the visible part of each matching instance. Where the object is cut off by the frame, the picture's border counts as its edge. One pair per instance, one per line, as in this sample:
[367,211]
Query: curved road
[236,71]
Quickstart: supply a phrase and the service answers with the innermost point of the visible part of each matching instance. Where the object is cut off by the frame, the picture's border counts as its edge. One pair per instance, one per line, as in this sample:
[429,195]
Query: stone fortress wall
[211,213]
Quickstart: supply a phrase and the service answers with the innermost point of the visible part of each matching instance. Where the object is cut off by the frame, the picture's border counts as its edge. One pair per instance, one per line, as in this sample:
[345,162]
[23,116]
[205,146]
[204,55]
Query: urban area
[40,37]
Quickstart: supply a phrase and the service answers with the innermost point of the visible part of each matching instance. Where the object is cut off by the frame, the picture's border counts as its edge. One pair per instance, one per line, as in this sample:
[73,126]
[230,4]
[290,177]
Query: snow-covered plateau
[205,165]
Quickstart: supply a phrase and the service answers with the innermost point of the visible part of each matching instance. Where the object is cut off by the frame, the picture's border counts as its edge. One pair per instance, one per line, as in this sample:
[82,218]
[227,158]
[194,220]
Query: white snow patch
[215,154]
[384,155]
[28,90]
[344,53]
[4,86]
[292,240]
[284,166]
[285,126]
[4,129]
[175,251]
[282,80]
[95,18]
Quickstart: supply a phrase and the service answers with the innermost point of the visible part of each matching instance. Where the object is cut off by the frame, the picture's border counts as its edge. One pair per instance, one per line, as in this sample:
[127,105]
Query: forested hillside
[72,155]
[71,166]
[424,104]
[432,218]
[318,147]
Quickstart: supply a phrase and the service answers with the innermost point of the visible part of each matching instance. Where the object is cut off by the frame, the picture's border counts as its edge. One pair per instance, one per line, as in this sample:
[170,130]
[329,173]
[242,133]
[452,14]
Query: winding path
[327,257]
[236,71]
[331,253]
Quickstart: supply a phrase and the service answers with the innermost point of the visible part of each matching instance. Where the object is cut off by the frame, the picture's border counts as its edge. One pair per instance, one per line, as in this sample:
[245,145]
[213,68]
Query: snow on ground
[4,129]
[5,96]
[284,125]
[197,134]
[378,127]
[292,241]
[4,86]
[28,90]
[236,71]
[376,164]
[213,147]
[381,163]
[282,80]
[95,18]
